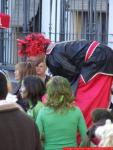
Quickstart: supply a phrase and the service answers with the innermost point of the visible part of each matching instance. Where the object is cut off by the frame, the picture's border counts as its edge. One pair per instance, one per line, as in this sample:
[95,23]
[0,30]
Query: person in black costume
[68,59]
[88,65]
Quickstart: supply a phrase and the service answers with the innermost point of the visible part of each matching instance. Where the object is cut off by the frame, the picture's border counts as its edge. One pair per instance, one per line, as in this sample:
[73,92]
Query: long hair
[59,93]
[3,86]
[35,88]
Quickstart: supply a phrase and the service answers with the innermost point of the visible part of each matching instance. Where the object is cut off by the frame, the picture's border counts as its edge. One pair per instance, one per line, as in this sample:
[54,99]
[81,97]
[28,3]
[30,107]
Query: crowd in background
[57,120]
[40,113]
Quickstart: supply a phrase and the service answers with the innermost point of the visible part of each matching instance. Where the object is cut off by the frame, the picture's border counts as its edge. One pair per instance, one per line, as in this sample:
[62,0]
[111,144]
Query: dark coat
[17,130]
[68,60]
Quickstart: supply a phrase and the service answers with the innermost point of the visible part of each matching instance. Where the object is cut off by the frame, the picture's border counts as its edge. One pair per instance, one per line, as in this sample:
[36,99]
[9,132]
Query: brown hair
[25,69]
[101,113]
[59,93]
[35,88]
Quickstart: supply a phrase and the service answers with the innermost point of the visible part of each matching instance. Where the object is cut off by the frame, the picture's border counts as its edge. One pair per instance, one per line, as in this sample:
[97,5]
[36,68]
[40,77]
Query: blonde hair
[59,93]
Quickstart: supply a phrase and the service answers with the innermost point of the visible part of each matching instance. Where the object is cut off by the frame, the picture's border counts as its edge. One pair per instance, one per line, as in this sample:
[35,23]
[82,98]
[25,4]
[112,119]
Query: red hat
[32,45]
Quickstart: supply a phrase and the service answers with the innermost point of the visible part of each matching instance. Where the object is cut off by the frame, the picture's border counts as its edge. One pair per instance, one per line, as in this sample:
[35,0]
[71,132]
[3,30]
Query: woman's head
[59,93]
[32,88]
[41,68]
[3,86]
[23,69]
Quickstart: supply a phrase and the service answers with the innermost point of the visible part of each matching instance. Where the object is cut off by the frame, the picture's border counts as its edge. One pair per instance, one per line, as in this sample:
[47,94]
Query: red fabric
[94,94]
[4,20]
[91,49]
[95,140]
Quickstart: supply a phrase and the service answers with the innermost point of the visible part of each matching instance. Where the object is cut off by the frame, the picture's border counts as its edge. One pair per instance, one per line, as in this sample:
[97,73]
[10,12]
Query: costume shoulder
[66,58]
[99,62]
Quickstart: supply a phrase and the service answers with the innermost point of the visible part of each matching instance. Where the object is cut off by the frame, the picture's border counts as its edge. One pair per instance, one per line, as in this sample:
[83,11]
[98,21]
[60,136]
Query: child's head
[41,68]
[32,89]
[23,69]
[59,93]
[101,114]
[105,134]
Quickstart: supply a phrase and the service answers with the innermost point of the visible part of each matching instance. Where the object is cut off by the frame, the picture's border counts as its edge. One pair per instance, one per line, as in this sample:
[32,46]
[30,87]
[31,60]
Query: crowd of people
[67,107]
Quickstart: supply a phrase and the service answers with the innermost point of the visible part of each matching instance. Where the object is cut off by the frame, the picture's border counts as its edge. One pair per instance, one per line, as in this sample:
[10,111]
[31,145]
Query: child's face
[40,69]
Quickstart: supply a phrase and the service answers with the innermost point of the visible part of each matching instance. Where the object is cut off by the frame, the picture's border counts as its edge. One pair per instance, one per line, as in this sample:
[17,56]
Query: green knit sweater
[60,129]
[33,111]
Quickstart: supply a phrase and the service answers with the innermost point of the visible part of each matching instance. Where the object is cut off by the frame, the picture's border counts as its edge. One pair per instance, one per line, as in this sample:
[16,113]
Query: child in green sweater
[59,121]
[32,90]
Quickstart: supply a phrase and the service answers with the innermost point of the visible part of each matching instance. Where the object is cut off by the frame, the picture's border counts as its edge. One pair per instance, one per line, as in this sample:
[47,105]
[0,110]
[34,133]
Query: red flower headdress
[33,44]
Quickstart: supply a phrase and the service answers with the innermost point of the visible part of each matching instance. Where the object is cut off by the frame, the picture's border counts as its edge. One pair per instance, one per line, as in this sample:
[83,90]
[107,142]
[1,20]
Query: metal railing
[73,20]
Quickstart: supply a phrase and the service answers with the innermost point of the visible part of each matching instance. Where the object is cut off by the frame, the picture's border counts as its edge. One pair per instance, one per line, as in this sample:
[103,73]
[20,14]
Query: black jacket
[68,59]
